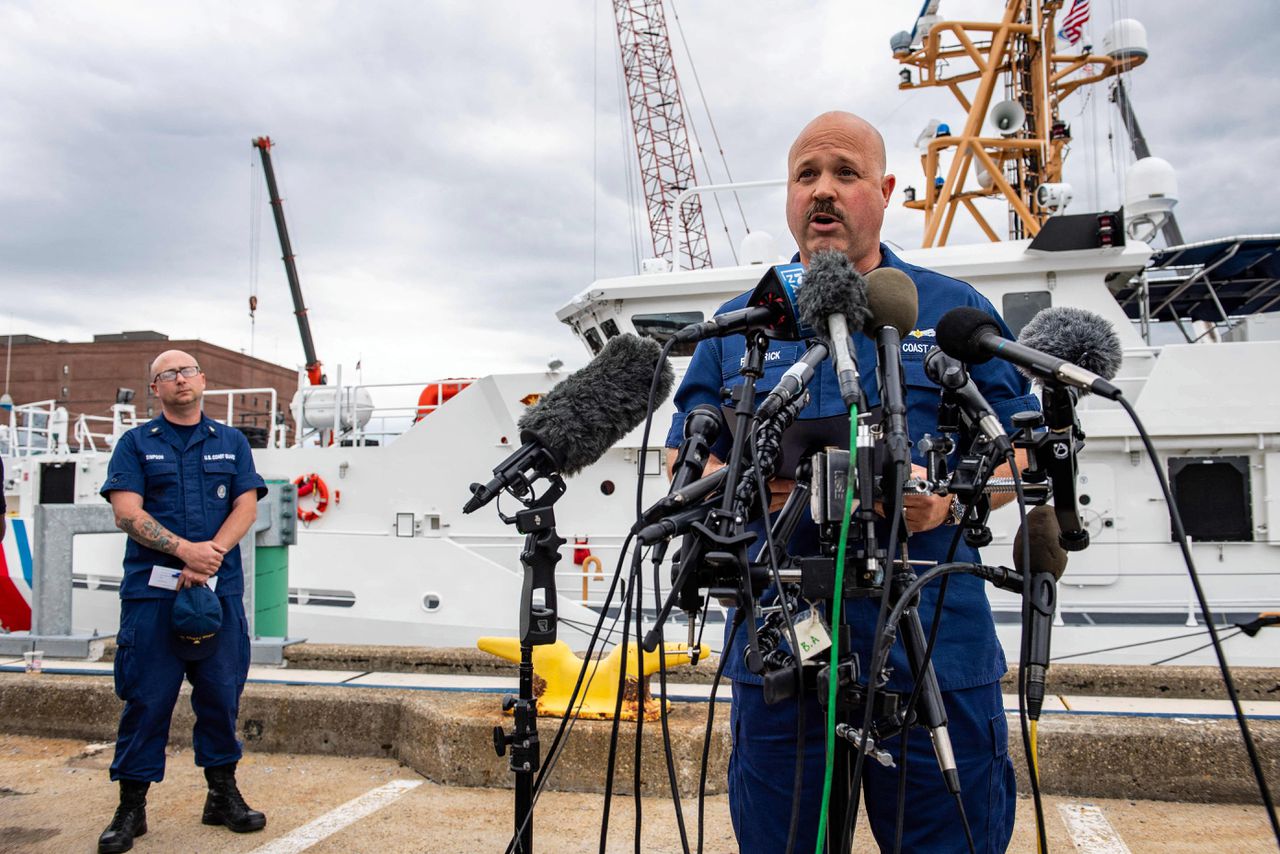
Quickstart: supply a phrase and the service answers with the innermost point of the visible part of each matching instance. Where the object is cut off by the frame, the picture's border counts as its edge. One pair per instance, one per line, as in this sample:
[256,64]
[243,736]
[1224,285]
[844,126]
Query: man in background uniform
[184,489]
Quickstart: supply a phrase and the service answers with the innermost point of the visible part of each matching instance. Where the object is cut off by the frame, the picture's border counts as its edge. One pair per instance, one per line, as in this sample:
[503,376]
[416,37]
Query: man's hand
[204,558]
[190,578]
[922,512]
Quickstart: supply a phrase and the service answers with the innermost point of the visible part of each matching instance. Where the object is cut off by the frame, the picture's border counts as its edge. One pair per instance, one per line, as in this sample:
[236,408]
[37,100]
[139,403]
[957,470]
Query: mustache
[826,207]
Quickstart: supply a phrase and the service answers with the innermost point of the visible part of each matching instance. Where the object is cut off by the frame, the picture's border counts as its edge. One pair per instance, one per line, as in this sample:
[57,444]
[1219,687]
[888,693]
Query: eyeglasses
[172,374]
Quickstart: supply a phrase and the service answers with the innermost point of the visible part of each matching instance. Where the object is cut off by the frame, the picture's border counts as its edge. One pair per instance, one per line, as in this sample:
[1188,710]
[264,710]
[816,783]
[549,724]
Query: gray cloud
[441,162]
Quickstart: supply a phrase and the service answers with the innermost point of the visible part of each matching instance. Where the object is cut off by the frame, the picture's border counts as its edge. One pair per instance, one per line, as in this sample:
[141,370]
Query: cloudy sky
[454,171]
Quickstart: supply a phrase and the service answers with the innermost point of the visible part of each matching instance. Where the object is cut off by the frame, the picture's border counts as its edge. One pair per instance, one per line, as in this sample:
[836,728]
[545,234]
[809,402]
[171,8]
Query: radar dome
[1151,191]
[1126,42]
[757,248]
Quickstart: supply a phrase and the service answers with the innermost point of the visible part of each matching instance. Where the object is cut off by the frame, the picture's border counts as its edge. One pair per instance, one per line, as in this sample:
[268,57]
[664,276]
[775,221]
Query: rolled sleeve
[124,472]
[247,477]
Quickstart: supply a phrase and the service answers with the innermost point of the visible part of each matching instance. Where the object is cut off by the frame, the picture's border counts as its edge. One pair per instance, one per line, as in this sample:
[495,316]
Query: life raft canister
[434,396]
[308,484]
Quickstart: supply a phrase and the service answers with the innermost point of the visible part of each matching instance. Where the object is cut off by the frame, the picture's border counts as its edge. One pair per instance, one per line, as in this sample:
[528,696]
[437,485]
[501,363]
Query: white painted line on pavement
[336,819]
[1090,830]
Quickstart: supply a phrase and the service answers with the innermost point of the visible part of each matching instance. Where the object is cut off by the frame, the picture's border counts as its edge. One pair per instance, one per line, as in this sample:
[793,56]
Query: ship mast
[1020,54]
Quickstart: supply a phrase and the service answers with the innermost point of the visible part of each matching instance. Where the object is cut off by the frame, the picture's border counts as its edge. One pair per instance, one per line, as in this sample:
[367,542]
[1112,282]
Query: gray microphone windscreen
[1077,336]
[832,286]
[1047,555]
[893,300]
[594,407]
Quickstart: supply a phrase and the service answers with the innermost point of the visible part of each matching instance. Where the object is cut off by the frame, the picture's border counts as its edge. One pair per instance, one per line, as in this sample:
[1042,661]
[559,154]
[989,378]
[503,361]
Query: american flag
[1073,23]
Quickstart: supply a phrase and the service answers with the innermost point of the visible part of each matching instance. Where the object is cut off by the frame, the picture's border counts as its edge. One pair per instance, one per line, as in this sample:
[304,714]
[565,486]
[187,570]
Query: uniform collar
[159,427]
[887,259]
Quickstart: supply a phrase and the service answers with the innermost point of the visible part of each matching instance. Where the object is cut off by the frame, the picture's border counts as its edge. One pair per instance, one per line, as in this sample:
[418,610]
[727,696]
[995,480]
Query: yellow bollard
[556,668]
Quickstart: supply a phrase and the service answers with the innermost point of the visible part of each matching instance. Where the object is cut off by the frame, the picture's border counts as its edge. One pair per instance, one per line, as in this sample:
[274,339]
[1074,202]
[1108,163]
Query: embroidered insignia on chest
[222,490]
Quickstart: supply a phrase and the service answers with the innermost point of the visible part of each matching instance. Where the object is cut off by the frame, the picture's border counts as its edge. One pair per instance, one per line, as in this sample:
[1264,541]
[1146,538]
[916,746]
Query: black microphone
[949,373]
[833,298]
[973,336]
[741,321]
[894,304]
[702,427]
[793,382]
[1048,562]
[581,418]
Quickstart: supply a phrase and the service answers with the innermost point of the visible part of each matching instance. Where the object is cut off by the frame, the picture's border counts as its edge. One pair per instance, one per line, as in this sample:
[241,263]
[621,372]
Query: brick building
[86,377]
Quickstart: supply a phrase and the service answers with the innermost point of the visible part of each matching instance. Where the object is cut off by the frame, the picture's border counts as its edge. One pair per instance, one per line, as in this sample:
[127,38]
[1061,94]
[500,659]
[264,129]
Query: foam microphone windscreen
[594,407]
[960,330]
[1076,335]
[1047,555]
[893,300]
[832,286]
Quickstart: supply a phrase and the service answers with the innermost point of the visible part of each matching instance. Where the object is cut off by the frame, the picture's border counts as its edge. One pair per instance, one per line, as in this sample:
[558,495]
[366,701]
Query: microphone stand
[1053,458]
[537,627]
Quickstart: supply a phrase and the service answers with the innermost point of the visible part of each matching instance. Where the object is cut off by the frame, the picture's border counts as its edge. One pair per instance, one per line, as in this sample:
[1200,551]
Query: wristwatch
[956,515]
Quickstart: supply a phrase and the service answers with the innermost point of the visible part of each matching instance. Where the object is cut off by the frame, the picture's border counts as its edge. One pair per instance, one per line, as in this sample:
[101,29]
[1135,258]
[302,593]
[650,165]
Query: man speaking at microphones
[837,192]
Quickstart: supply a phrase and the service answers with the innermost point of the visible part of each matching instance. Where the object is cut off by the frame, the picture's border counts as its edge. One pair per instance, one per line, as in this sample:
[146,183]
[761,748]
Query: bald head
[837,188]
[171,359]
[179,395]
[837,125]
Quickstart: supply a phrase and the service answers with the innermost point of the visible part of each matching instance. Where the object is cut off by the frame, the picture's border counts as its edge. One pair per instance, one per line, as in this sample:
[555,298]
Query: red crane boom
[662,137]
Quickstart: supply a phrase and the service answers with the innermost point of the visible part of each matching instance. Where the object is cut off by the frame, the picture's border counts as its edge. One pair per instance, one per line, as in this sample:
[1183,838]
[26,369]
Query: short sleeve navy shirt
[188,486]
[967,652]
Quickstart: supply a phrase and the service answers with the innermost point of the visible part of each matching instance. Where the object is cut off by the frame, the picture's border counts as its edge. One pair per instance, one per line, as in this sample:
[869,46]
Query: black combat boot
[225,805]
[130,819]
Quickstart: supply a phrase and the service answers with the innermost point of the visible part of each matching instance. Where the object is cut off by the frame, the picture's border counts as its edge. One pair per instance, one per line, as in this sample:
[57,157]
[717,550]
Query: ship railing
[275,433]
[362,424]
[123,417]
[35,428]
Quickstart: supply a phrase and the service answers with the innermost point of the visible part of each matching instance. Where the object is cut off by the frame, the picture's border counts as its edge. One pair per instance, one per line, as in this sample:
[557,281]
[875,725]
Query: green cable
[835,625]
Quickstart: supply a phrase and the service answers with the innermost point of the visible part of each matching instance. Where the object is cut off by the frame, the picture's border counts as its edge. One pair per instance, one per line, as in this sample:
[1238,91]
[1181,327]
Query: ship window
[1018,308]
[1212,494]
[610,329]
[660,327]
[593,339]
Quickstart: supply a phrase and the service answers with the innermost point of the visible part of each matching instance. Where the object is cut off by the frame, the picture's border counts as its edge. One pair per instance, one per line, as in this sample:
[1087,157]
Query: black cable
[711,716]
[879,654]
[637,596]
[617,708]
[964,821]
[1128,645]
[797,783]
[662,710]
[648,424]
[570,717]
[1023,654]
[1194,649]
[942,588]
[901,809]
[1180,533]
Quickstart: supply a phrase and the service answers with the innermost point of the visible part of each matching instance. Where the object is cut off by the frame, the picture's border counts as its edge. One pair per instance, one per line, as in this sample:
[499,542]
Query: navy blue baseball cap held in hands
[197,616]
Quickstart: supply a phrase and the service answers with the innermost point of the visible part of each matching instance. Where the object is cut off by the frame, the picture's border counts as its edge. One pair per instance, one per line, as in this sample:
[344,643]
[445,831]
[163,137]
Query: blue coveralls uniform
[968,658]
[188,487]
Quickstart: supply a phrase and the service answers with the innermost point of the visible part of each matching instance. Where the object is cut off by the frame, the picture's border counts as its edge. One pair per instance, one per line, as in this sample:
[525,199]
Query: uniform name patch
[769,356]
[153,456]
[209,458]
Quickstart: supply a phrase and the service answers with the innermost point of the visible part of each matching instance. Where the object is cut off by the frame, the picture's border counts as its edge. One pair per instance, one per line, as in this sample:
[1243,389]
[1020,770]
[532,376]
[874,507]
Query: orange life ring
[434,396]
[307,484]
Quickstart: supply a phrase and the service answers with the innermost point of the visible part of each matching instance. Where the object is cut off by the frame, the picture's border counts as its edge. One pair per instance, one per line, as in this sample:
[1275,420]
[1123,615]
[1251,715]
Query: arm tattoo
[146,530]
